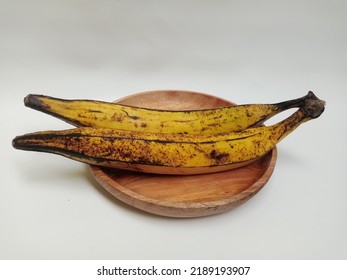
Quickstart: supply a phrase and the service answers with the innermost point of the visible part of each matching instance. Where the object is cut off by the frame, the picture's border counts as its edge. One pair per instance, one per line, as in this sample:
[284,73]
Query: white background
[244,51]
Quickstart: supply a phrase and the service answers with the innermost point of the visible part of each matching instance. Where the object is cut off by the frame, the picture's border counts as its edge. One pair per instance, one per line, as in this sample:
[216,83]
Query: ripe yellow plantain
[112,115]
[168,153]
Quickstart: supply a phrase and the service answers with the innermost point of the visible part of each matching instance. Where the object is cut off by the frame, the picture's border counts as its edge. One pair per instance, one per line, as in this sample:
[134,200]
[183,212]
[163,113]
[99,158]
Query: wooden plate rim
[98,173]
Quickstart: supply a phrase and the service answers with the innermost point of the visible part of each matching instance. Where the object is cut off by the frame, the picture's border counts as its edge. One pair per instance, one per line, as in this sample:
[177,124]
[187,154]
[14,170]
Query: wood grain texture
[186,195]
[174,100]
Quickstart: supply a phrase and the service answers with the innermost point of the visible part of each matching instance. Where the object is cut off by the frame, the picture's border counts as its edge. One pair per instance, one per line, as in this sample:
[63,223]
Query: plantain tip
[19,142]
[33,101]
[15,142]
[25,142]
[28,99]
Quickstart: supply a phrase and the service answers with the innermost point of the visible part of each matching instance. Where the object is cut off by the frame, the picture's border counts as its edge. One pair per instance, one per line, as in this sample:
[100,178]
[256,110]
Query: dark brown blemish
[134,117]
[117,118]
[218,156]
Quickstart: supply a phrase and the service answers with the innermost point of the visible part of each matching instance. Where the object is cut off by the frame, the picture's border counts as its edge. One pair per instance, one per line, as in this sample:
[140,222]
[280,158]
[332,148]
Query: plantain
[165,153]
[206,121]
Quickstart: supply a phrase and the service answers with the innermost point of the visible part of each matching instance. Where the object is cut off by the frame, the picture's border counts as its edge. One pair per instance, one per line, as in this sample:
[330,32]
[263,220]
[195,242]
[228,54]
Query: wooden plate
[184,196]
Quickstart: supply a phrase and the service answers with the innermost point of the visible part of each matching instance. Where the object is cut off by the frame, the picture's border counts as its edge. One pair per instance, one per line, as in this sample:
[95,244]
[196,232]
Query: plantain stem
[294,103]
[313,106]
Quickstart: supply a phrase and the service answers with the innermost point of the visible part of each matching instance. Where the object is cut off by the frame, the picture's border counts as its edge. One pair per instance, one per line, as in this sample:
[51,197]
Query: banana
[168,153]
[112,115]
